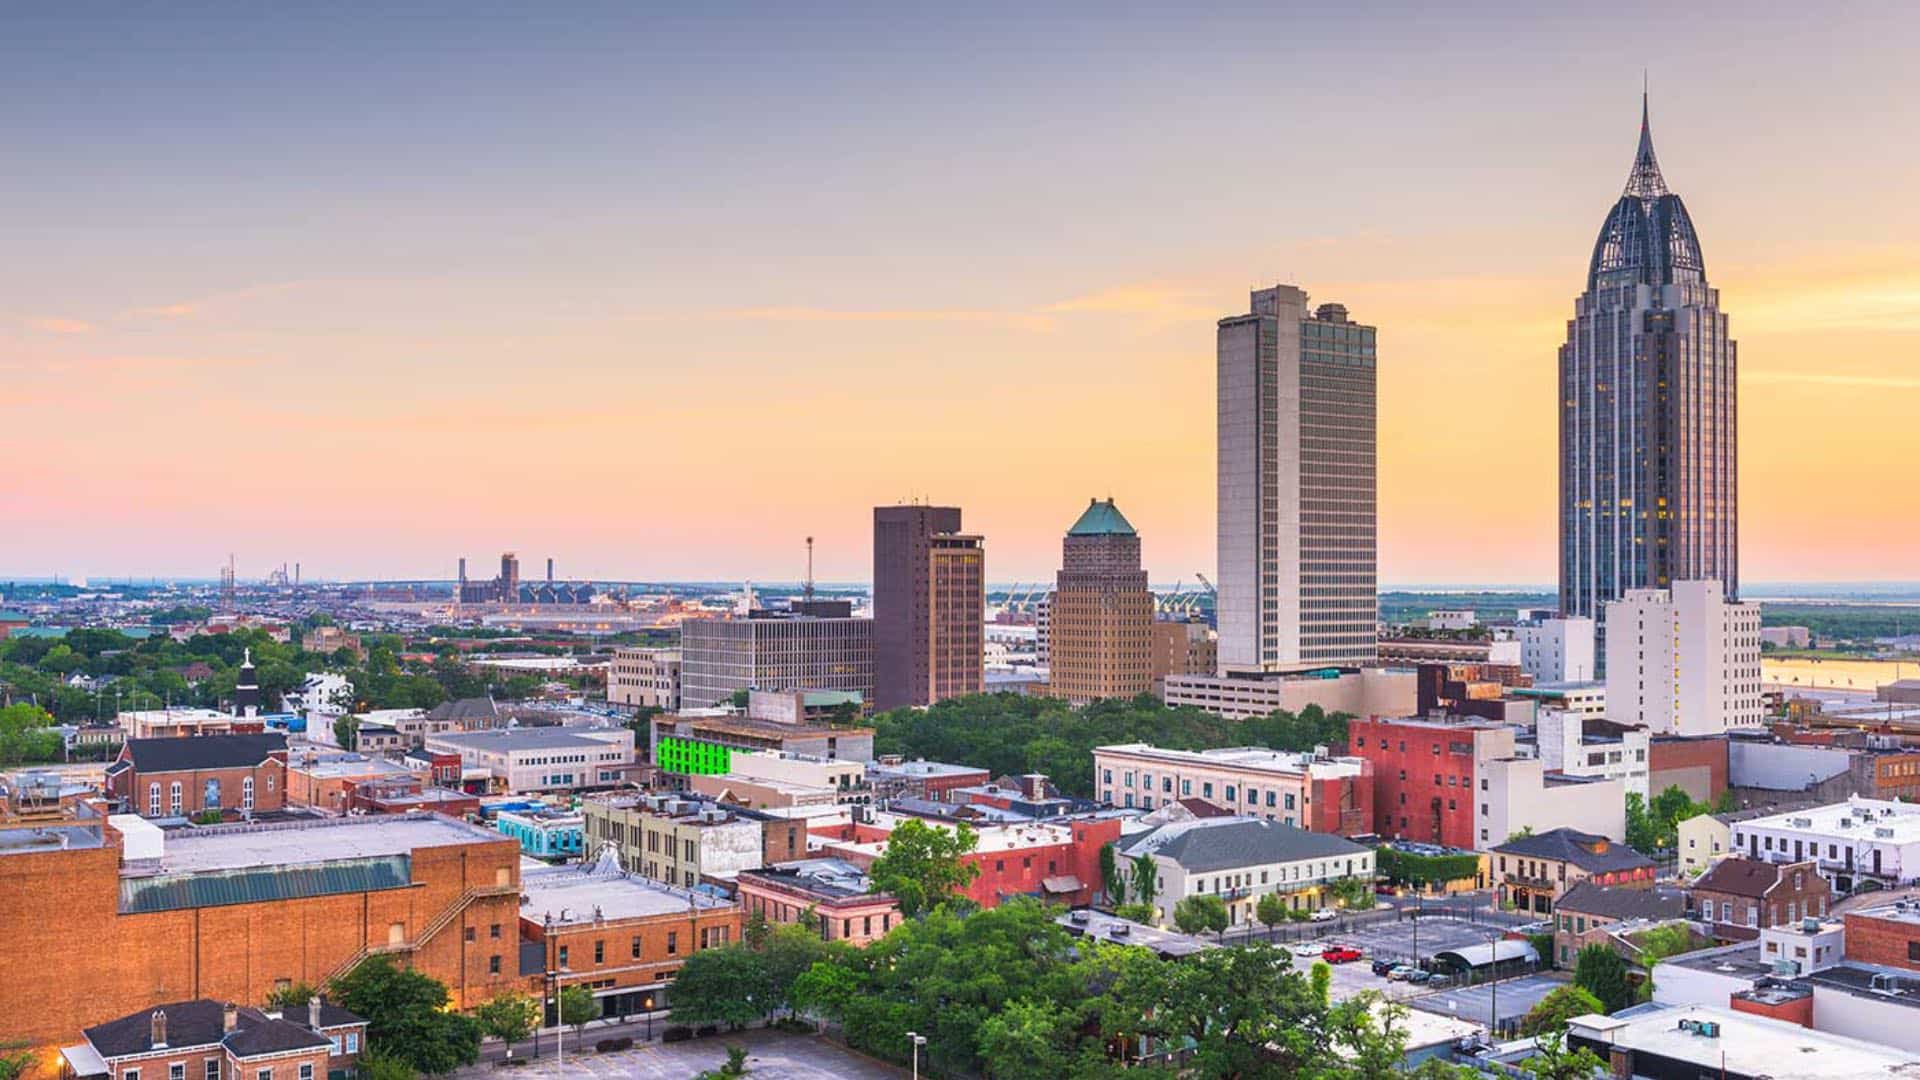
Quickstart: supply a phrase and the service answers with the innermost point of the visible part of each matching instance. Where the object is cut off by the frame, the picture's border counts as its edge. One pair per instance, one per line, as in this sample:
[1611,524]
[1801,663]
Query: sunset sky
[660,294]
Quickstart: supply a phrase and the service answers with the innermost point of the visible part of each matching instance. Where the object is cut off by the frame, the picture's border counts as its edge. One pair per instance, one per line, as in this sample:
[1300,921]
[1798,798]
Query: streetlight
[918,1040]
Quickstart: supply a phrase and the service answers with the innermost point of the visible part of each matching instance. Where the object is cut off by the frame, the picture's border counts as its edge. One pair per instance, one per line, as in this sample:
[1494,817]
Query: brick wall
[269,788]
[1415,808]
[1891,942]
[61,921]
[662,943]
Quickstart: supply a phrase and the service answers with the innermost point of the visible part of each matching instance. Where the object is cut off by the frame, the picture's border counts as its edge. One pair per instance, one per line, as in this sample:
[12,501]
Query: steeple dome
[1648,238]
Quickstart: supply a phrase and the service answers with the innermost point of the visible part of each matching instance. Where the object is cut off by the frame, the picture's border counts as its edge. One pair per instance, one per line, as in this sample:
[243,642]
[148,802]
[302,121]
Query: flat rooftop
[836,878]
[339,766]
[1087,922]
[571,895]
[507,740]
[762,729]
[1857,819]
[1747,1045]
[229,847]
[923,770]
[1256,758]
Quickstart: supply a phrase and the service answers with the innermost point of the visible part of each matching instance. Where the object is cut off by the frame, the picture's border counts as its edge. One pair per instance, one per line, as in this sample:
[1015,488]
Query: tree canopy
[1601,972]
[1015,733]
[922,866]
[407,1017]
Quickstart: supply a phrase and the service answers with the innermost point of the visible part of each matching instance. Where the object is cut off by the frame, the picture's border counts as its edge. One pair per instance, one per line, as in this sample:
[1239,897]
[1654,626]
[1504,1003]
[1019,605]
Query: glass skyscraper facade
[1647,386]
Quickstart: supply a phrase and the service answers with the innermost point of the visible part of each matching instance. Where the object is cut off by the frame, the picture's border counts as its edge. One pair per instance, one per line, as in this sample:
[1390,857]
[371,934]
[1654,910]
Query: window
[563,956]
[636,946]
[353,1042]
[213,1068]
[600,952]
[493,965]
[1230,792]
[173,798]
[471,933]
[177,1070]
[1206,789]
[263,1074]
[306,1070]
[1913,950]
[153,810]
[246,793]
[673,942]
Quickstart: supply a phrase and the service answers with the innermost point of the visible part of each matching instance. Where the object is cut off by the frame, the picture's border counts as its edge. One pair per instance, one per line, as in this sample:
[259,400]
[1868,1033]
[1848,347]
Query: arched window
[153,799]
[173,798]
[246,793]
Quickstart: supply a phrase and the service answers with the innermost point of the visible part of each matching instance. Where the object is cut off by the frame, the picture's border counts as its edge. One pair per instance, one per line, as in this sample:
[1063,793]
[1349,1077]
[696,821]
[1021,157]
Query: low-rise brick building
[1738,897]
[1888,935]
[1586,908]
[620,935]
[835,891]
[179,1040]
[1533,872]
[686,840]
[113,916]
[173,776]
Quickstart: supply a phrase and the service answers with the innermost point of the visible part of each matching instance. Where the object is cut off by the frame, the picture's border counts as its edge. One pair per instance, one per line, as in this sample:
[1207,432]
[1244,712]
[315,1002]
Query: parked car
[1401,972]
[1325,914]
[1381,967]
[1340,954]
[1417,976]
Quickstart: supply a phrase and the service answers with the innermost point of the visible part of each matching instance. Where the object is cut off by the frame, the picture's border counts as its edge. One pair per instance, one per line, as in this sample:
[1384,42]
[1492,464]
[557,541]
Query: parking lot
[1517,997]
[1396,941]
[772,1055]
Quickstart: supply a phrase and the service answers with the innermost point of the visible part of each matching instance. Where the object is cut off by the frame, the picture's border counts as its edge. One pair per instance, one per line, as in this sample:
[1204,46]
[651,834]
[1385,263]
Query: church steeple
[1645,181]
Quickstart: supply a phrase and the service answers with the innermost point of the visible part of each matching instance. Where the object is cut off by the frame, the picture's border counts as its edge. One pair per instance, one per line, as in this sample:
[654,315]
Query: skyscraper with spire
[1647,406]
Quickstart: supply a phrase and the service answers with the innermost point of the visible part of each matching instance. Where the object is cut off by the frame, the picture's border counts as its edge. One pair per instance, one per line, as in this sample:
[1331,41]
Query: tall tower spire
[1645,181]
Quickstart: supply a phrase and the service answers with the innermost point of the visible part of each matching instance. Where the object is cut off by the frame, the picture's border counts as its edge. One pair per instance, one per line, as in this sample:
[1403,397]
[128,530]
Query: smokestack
[229,1016]
[159,1032]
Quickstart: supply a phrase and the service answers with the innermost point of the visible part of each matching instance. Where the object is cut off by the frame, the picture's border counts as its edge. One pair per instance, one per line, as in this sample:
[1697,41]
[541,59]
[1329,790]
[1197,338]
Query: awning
[1065,883]
[85,1061]
[1504,950]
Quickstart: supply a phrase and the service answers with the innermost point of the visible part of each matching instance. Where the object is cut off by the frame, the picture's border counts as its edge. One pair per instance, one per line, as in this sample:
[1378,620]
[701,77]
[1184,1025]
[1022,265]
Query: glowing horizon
[662,294]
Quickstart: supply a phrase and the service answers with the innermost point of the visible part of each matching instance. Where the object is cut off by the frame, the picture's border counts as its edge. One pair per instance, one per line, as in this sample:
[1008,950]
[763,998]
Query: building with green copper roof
[1102,519]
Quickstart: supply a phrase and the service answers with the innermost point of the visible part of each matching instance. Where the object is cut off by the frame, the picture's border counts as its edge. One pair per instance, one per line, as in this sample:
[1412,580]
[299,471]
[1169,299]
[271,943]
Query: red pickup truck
[1340,954]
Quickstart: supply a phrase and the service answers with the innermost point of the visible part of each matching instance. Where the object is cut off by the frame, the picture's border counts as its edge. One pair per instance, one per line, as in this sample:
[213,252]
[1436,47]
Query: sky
[660,292]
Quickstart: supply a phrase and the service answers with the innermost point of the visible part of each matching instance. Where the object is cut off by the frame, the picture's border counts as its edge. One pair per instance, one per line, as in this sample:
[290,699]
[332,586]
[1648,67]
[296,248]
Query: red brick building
[1426,773]
[1888,935]
[181,777]
[113,918]
[210,1039]
[1056,860]
[1738,897]
[834,891]
[1697,764]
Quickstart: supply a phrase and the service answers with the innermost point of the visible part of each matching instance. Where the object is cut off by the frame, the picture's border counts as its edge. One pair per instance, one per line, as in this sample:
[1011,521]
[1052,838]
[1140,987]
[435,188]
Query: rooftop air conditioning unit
[1882,833]
[1810,924]
[1122,930]
[1707,1028]
[1685,1024]
[1079,917]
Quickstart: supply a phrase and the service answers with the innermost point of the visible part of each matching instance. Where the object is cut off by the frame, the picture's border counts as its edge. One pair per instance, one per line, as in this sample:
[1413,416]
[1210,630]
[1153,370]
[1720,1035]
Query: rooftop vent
[1079,917]
[1810,924]
[1882,833]
[1122,930]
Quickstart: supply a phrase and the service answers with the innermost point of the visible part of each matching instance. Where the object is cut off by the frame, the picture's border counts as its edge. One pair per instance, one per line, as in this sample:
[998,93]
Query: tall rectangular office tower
[1648,380]
[929,606]
[1297,487]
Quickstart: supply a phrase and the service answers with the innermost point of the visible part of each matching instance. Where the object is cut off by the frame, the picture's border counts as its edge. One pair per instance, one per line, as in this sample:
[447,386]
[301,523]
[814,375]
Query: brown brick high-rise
[929,606]
[1102,615]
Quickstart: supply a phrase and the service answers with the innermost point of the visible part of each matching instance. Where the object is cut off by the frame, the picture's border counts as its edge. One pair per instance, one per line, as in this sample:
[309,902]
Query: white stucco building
[1558,649]
[1241,859]
[1582,746]
[1683,660]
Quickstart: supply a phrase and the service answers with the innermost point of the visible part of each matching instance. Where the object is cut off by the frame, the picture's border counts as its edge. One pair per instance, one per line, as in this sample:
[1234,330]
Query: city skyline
[261,307]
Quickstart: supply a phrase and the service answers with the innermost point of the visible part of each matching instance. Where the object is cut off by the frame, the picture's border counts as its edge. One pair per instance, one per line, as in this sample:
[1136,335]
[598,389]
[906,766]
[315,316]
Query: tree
[26,735]
[1552,1012]
[1371,1034]
[1110,875]
[346,731]
[407,1017]
[1320,980]
[1026,1039]
[1271,911]
[1599,971]
[754,933]
[1140,913]
[1195,914]
[1146,878]
[721,986]
[735,1067]
[739,698]
[922,864]
[377,1065]
[579,1008]
[1553,1061]
[15,1066]
[1353,893]
[1245,1011]
[509,1016]
[294,996]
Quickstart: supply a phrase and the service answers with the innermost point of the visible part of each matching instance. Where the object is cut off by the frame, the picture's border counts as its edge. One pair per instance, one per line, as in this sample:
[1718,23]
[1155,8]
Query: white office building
[1683,661]
[1297,486]
[1557,649]
[1849,843]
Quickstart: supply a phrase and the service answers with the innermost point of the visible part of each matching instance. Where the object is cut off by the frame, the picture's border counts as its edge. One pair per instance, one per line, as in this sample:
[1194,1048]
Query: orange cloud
[60,326]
